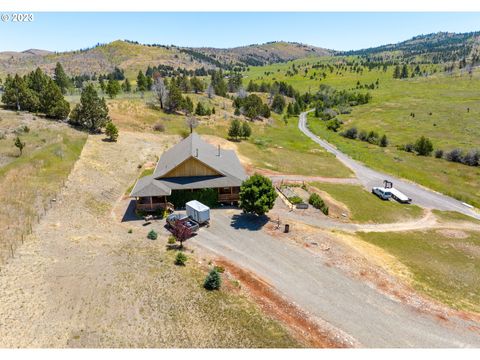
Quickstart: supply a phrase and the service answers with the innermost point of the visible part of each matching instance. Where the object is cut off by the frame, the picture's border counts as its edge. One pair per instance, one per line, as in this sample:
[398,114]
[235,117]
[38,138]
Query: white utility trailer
[399,196]
[198,211]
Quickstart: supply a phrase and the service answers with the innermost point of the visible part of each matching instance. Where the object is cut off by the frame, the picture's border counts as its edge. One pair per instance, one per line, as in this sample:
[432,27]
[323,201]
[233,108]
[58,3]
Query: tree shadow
[249,222]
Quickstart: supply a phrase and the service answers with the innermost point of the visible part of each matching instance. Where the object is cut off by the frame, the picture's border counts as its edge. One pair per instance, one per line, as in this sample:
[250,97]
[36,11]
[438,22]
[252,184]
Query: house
[190,166]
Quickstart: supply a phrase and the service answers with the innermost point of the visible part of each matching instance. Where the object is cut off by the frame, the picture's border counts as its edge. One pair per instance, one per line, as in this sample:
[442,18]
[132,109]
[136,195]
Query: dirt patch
[306,330]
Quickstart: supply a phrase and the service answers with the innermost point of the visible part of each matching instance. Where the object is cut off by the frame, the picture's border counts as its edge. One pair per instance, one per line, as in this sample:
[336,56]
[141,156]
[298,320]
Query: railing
[154,206]
[228,197]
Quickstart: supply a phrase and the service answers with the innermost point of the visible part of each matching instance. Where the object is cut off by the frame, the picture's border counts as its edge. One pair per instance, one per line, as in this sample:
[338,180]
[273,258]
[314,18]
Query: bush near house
[213,280]
[152,235]
[317,202]
[208,197]
[181,259]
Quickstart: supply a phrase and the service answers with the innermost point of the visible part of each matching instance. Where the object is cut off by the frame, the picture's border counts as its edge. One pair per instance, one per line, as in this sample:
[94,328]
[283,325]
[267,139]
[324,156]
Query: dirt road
[360,312]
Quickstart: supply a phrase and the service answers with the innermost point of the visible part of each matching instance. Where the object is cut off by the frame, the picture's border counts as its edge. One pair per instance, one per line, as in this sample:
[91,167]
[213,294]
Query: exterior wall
[231,194]
[191,167]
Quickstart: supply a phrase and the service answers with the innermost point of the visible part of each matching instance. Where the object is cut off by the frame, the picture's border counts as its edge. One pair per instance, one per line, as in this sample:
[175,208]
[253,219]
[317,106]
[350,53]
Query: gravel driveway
[370,318]
[369,178]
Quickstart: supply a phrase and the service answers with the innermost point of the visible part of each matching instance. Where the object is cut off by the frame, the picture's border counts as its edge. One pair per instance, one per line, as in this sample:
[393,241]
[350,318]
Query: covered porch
[229,194]
[153,203]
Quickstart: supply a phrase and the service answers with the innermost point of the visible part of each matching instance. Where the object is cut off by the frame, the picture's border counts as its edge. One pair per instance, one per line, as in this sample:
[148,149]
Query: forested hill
[441,47]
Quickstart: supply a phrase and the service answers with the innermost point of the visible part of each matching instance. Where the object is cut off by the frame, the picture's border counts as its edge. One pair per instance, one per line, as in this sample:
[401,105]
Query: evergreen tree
[278,103]
[19,144]
[113,88]
[397,72]
[235,130]
[197,84]
[61,79]
[142,83]
[187,105]
[111,131]
[175,99]
[52,102]
[383,141]
[423,146]
[404,73]
[213,280]
[127,86]
[246,130]
[18,96]
[200,109]
[92,112]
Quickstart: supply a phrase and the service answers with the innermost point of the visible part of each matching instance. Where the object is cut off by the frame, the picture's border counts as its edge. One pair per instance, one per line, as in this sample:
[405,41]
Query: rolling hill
[132,56]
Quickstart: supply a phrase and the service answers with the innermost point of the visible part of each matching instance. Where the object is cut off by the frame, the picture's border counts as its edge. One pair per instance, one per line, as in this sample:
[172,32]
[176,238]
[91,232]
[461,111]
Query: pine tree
[213,280]
[19,144]
[111,131]
[246,130]
[52,103]
[397,72]
[126,86]
[175,99]
[92,112]
[404,73]
[141,82]
[113,88]
[235,130]
[61,79]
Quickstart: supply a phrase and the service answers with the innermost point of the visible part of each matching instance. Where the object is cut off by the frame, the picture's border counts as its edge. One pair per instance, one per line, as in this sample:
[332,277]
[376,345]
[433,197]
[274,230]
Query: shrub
[130,231]
[363,136]
[295,200]
[423,146]
[471,158]
[407,147]
[159,127]
[171,240]
[180,259]
[454,155]
[317,202]
[152,235]
[383,141]
[372,137]
[219,269]
[208,197]
[111,131]
[438,153]
[213,280]
[333,125]
[351,133]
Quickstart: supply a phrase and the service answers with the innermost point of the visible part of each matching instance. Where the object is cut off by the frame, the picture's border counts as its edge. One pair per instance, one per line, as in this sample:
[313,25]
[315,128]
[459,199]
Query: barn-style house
[186,171]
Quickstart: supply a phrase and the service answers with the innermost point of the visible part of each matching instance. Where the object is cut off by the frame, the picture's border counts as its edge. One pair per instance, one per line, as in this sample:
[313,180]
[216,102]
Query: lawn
[366,208]
[445,263]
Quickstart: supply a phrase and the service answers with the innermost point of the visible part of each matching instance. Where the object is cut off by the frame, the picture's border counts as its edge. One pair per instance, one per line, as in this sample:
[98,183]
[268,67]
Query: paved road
[367,316]
[369,178]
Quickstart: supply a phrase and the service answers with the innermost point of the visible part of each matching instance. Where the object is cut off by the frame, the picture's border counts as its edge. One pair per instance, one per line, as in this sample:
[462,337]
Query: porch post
[151,203]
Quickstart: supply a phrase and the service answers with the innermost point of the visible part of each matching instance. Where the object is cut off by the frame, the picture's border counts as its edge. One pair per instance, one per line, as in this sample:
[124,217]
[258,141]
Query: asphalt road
[369,178]
[369,318]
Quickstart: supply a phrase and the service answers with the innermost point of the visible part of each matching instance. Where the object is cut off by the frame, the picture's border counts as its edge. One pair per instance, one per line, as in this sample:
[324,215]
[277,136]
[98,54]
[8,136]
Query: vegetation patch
[444,267]
[367,208]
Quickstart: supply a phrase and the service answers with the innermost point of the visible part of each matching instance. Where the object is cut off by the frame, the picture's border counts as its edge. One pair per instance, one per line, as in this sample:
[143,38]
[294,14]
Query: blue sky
[339,31]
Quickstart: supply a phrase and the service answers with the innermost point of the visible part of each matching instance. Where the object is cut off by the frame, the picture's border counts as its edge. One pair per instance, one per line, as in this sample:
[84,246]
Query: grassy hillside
[446,108]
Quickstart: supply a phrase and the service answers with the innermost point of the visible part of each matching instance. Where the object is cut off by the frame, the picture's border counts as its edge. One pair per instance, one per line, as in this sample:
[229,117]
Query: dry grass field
[28,183]
[83,280]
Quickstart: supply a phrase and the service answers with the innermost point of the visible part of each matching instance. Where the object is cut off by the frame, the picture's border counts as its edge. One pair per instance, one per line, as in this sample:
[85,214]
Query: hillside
[437,48]
[272,52]
[132,57]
